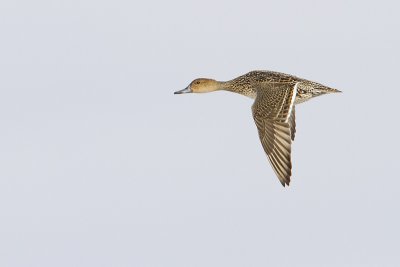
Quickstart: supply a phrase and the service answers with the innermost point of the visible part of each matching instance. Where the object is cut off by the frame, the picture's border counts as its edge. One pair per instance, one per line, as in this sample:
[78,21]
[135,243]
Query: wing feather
[292,123]
[274,115]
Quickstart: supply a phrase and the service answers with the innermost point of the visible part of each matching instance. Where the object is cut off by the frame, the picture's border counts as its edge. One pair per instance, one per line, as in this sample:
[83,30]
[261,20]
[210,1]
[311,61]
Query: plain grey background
[101,165]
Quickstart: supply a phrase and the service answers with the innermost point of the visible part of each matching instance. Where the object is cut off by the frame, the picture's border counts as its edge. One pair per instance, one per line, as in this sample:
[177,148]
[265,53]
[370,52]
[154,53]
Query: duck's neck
[238,88]
[226,86]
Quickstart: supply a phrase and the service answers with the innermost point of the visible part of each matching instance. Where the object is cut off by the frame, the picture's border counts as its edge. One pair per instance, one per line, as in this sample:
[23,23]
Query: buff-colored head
[201,85]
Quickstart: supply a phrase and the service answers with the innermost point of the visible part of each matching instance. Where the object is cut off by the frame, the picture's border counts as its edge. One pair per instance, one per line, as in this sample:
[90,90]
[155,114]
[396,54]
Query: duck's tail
[320,89]
[329,90]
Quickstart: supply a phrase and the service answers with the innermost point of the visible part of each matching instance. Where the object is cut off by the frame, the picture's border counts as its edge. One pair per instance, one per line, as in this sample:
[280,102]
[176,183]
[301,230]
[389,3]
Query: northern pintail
[276,95]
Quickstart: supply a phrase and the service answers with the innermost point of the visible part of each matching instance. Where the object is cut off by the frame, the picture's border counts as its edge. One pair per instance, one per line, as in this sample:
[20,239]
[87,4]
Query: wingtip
[285,183]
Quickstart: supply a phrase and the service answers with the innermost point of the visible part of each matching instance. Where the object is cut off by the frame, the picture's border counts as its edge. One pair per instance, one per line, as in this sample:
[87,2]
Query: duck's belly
[300,98]
[304,93]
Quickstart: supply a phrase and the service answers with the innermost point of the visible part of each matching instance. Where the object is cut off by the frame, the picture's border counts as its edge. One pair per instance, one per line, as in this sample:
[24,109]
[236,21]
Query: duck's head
[201,85]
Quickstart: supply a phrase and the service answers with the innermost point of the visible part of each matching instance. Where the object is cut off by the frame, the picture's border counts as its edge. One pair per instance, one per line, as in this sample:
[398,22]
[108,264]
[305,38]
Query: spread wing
[274,115]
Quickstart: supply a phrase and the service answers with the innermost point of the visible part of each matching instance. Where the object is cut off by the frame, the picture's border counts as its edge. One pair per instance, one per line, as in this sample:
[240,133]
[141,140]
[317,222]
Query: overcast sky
[101,165]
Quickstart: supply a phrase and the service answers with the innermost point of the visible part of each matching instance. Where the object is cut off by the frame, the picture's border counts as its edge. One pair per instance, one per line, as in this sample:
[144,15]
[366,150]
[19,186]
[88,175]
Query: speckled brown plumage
[276,95]
[247,84]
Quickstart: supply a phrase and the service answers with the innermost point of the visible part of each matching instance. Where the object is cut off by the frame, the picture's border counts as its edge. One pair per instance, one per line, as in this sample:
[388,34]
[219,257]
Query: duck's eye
[198,82]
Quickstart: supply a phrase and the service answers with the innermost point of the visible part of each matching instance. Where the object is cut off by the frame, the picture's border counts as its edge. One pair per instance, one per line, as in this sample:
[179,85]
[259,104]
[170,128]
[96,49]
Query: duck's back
[248,83]
[261,76]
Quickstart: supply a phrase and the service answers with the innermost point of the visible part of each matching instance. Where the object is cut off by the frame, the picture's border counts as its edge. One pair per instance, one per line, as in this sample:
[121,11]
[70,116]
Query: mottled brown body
[249,83]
